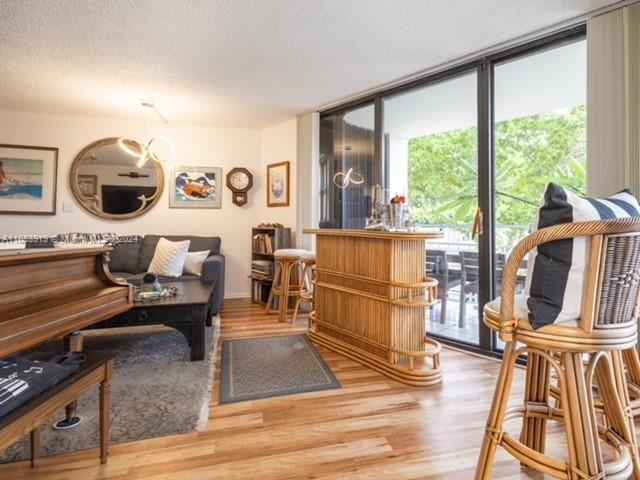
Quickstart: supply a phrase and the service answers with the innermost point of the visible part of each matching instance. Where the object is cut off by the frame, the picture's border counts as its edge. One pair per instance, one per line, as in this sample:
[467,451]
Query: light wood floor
[372,428]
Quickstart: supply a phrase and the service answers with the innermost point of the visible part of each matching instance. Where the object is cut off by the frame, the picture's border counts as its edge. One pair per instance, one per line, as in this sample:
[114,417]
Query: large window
[473,146]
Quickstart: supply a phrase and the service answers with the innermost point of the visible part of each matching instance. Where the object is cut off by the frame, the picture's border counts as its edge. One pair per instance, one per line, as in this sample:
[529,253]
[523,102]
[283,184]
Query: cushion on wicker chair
[556,270]
[521,311]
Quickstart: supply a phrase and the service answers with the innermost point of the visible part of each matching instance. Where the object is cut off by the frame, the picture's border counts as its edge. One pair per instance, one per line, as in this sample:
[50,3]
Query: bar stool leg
[493,432]
[534,430]
[617,405]
[284,291]
[305,287]
[585,457]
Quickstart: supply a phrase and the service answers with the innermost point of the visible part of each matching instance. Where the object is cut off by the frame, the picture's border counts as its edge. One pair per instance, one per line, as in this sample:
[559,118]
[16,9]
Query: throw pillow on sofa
[193,264]
[169,258]
[556,270]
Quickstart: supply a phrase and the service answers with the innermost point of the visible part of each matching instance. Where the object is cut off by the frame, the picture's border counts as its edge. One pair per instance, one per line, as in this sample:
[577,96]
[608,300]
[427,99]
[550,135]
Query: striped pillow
[557,270]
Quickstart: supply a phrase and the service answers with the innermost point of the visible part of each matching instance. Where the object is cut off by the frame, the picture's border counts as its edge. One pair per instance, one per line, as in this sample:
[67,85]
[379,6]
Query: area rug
[269,367]
[155,390]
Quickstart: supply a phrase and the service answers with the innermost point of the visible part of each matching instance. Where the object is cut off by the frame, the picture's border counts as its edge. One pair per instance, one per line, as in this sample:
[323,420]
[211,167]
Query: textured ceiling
[239,63]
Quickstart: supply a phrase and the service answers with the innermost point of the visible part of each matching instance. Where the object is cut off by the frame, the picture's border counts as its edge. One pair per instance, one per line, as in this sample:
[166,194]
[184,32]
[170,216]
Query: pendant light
[148,151]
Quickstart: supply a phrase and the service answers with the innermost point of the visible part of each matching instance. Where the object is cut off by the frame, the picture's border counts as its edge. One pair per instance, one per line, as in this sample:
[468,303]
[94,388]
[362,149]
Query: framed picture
[28,179]
[87,185]
[278,184]
[196,187]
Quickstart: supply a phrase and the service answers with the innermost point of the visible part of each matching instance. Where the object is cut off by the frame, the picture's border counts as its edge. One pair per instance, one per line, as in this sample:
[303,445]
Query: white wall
[278,144]
[196,145]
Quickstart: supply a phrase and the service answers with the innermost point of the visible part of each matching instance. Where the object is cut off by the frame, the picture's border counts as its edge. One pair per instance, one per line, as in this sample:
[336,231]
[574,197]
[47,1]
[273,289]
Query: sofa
[132,255]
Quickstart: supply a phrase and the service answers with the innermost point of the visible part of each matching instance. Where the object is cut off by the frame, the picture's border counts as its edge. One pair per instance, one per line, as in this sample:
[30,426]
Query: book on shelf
[263,243]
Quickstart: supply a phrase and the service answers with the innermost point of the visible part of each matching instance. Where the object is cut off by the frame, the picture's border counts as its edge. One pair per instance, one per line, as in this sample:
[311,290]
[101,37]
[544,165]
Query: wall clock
[239,181]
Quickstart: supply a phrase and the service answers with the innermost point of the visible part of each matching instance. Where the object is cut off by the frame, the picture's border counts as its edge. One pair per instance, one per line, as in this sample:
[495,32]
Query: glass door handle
[477,224]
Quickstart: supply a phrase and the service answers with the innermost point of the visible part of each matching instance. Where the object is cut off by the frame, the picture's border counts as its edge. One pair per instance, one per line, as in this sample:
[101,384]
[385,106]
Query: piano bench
[27,418]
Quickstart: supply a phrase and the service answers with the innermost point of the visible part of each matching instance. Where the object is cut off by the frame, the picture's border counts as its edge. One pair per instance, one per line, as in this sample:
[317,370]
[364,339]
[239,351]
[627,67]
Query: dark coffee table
[188,312]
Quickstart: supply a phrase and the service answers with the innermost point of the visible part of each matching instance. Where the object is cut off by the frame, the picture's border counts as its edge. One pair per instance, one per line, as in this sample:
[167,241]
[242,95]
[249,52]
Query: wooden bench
[27,418]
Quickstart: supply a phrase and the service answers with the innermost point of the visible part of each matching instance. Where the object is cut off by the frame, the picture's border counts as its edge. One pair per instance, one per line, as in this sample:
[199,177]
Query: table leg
[197,342]
[105,401]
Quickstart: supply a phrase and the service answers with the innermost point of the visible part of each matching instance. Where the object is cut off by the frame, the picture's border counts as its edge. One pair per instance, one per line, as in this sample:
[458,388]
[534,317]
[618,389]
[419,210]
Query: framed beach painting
[28,179]
[278,184]
[196,187]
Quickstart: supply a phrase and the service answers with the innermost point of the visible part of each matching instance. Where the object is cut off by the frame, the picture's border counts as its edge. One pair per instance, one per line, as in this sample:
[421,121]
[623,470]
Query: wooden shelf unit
[280,238]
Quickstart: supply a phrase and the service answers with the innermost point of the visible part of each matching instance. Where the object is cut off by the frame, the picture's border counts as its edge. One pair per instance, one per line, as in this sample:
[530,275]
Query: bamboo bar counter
[371,297]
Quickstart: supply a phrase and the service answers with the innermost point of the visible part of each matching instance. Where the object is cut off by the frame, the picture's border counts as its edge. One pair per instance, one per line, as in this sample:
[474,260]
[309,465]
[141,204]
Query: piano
[50,293]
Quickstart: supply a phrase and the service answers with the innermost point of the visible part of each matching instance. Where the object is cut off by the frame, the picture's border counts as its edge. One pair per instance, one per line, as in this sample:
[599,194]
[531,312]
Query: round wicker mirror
[106,181]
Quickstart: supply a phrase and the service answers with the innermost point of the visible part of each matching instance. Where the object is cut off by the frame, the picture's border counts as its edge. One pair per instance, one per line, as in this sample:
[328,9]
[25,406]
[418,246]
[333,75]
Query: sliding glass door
[472,150]
[430,150]
[540,137]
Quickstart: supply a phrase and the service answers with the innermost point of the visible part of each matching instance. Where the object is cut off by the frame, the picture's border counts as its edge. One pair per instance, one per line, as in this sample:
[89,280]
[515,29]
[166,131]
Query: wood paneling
[370,299]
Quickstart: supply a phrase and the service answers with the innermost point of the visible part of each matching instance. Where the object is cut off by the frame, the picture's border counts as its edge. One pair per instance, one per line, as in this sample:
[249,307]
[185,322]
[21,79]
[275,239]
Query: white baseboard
[237,295]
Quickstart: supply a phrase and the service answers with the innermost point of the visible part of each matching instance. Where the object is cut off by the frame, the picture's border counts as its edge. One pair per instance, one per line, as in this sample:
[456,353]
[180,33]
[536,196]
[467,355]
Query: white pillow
[169,258]
[194,262]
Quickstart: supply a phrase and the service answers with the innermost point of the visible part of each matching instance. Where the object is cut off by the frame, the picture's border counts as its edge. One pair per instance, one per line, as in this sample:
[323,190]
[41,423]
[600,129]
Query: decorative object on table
[278,184]
[171,394]
[196,187]
[169,258]
[269,367]
[108,194]
[239,181]
[163,291]
[28,179]
[150,283]
[88,185]
[396,212]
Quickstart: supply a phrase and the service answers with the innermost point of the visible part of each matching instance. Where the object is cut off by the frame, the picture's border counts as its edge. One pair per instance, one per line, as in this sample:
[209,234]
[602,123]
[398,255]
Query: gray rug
[269,367]
[155,391]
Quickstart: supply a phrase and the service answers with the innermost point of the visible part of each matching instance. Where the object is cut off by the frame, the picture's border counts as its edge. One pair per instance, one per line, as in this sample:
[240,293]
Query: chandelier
[147,152]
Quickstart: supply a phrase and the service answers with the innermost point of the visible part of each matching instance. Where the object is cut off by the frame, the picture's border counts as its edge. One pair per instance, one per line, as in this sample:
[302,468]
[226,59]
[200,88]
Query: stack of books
[263,243]
[261,269]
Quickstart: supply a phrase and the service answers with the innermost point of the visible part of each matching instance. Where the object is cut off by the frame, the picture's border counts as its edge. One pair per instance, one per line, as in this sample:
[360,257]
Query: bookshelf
[265,241]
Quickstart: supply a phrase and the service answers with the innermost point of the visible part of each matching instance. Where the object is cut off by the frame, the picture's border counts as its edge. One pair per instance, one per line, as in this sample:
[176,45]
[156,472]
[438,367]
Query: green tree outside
[530,152]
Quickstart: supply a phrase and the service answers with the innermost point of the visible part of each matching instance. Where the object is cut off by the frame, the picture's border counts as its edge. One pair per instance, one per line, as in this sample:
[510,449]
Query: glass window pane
[540,137]
[347,167]
[430,154]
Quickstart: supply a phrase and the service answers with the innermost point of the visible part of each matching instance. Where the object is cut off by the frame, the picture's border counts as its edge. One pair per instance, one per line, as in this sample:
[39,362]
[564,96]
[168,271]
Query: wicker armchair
[591,350]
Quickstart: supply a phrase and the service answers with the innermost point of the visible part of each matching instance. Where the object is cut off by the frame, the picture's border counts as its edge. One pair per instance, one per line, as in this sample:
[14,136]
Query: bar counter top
[401,235]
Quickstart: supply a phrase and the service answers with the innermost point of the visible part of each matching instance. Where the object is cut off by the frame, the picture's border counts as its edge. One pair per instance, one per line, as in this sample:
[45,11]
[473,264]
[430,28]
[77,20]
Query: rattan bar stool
[286,279]
[589,350]
[308,277]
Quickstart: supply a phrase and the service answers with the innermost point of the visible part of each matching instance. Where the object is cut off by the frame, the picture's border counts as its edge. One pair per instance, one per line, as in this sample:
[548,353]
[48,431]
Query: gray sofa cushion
[126,255]
[197,244]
